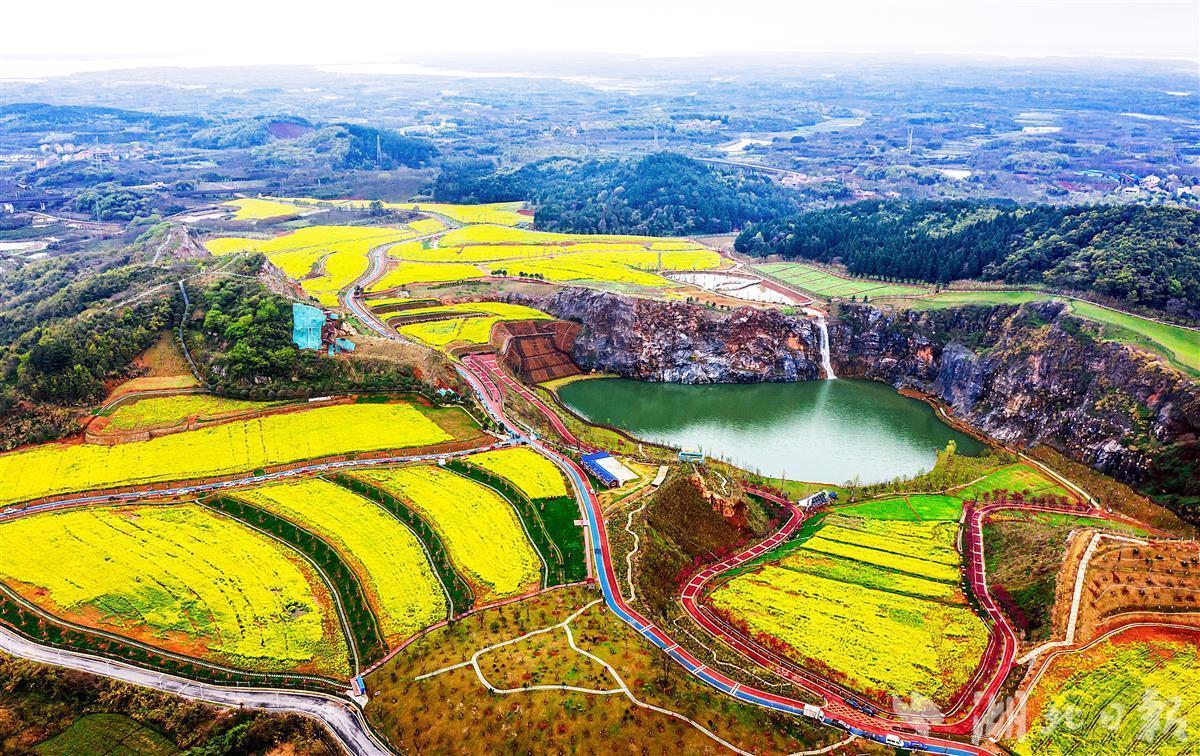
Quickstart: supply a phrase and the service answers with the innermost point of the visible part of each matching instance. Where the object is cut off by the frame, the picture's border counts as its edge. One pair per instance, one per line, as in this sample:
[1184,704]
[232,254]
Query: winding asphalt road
[343,718]
[485,382]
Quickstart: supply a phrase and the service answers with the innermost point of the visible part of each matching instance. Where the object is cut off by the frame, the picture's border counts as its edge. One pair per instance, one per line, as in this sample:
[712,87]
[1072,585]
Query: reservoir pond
[822,431]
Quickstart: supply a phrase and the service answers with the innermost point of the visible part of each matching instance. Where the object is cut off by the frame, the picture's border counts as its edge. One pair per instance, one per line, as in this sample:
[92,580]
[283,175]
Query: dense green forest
[1141,255]
[661,195]
[240,334]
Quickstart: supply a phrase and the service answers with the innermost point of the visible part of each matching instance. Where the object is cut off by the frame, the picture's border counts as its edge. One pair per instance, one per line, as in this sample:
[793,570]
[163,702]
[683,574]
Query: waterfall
[825,363]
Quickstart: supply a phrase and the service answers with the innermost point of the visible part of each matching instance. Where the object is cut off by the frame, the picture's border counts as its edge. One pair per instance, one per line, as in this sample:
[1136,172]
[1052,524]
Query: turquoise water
[826,431]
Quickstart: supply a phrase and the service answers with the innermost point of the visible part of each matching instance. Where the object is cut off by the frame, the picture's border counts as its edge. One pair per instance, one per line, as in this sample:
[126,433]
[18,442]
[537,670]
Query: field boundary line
[53,619]
[434,533]
[529,537]
[405,525]
[1080,578]
[341,610]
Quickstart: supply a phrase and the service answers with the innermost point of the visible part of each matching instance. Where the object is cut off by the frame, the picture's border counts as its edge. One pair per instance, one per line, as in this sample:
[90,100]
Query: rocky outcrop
[684,343]
[1031,374]
[1027,374]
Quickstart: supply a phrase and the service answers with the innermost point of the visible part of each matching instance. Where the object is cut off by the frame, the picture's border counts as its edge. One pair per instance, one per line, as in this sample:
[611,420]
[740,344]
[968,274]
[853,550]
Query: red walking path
[483,374]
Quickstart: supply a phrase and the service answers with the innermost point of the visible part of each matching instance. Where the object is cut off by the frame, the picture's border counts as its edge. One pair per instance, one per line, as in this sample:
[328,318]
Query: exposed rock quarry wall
[1021,374]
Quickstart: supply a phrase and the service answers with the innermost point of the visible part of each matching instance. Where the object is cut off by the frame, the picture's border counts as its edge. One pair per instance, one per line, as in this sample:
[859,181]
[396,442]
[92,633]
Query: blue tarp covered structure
[592,463]
[306,325]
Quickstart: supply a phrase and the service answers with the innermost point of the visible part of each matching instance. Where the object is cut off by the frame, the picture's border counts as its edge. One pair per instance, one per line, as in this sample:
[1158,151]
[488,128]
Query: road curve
[859,724]
[345,720]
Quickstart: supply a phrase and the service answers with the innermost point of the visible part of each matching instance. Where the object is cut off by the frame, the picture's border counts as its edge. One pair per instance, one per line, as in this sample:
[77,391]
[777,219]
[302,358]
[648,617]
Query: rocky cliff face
[1025,375]
[683,343]
[1031,374]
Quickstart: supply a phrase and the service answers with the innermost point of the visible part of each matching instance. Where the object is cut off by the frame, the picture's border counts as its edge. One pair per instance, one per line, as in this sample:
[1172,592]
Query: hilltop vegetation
[1142,256]
[664,194]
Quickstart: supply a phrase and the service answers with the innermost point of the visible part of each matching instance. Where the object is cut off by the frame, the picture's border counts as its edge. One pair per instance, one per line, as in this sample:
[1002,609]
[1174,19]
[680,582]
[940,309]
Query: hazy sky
[79,35]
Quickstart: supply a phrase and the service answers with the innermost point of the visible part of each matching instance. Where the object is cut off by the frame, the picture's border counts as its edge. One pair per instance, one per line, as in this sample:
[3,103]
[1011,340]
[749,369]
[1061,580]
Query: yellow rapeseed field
[877,600]
[260,209]
[405,274]
[482,534]
[424,226]
[529,471]
[165,410]
[469,329]
[479,253]
[881,641]
[503,309]
[325,259]
[388,558]
[236,446]
[179,577]
[598,267]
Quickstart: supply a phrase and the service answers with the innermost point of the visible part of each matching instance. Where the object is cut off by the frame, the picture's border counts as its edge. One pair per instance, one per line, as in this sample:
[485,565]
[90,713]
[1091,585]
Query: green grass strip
[550,523]
[461,597]
[364,626]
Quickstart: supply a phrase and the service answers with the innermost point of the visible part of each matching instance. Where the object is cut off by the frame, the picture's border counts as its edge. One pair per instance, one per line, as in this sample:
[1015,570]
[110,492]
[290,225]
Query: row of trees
[1141,255]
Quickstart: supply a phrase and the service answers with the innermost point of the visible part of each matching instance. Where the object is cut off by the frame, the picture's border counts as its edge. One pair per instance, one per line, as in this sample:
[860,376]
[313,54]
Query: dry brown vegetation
[1126,582]
[453,712]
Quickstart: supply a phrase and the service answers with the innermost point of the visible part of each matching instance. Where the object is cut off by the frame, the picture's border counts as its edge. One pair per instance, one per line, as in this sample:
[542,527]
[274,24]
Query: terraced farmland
[236,446]
[406,274]
[524,468]
[464,323]
[391,564]
[622,267]
[181,578]
[818,281]
[1135,693]
[597,259]
[166,410]
[324,259]
[874,602]
[481,532]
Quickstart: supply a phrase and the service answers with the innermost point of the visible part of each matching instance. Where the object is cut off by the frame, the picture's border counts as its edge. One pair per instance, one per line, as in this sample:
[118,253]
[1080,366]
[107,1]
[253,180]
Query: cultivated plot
[180,578]
[524,468]
[253,209]
[236,446]
[875,603]
[1135,693]
[825,284]
[324,259]
[485,539]
[391,564]
[464,323]
[157,411]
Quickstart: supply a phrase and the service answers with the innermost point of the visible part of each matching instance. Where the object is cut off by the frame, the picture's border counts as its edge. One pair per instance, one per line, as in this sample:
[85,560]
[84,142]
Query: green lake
[825,431]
